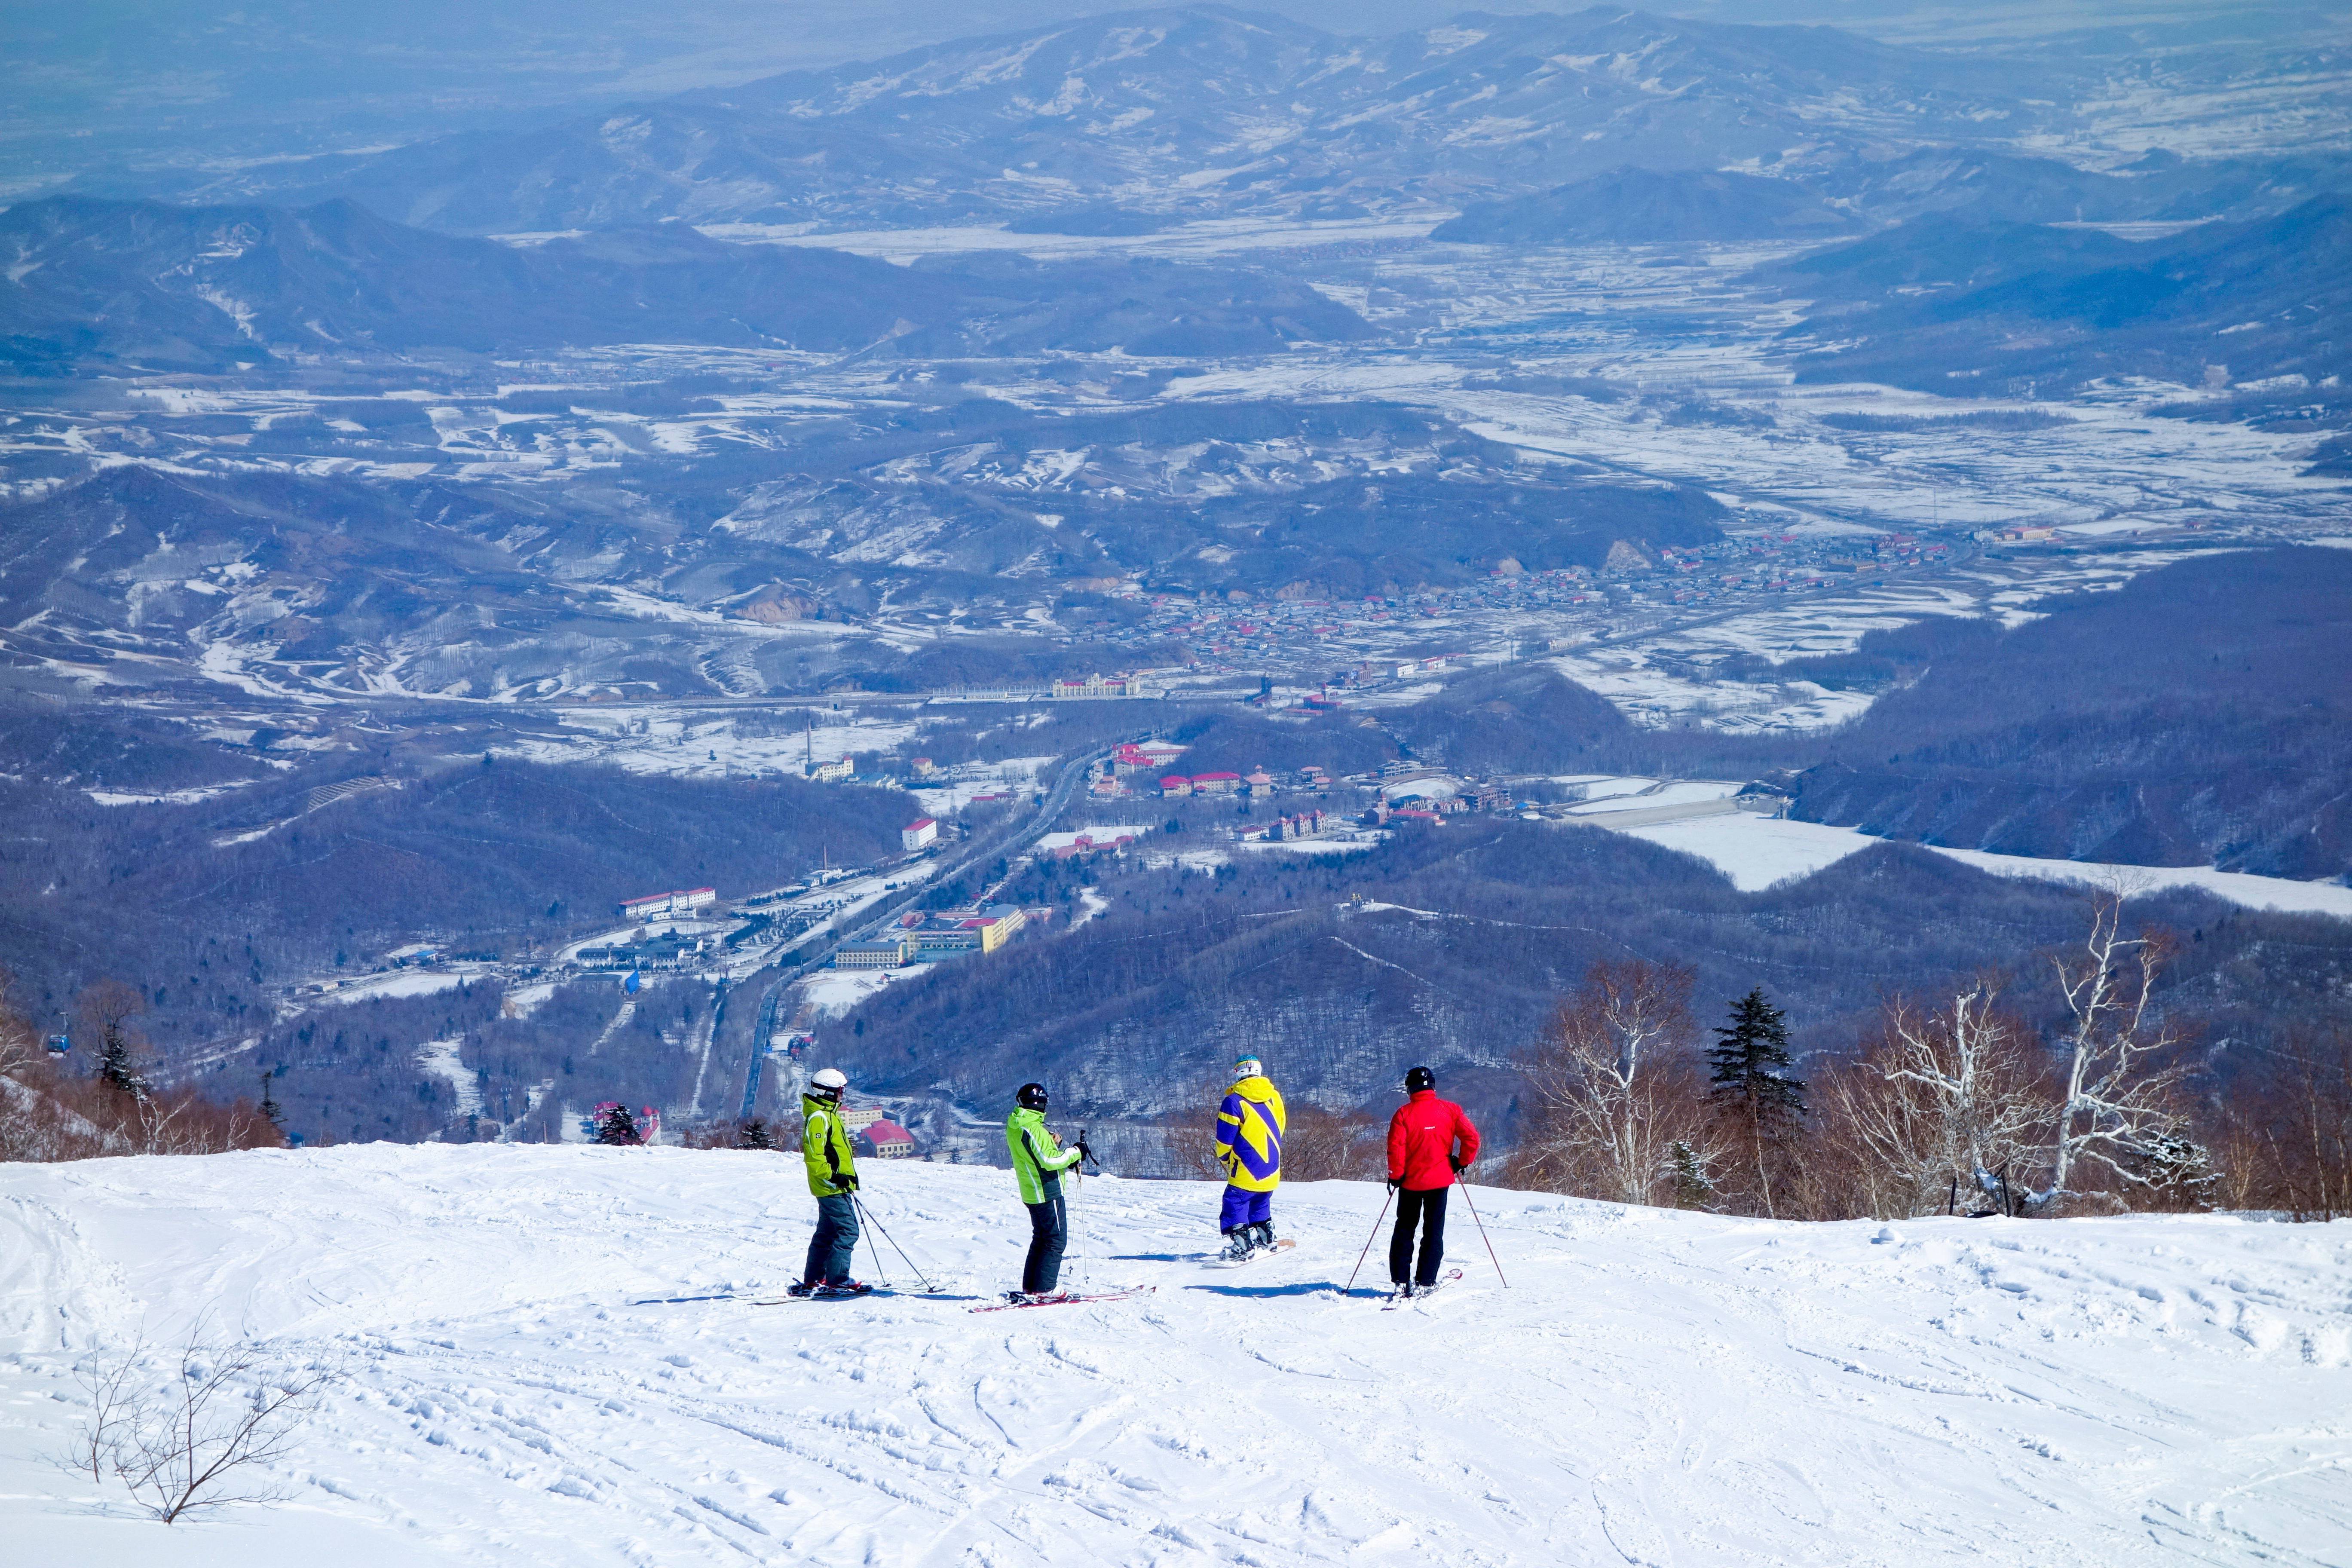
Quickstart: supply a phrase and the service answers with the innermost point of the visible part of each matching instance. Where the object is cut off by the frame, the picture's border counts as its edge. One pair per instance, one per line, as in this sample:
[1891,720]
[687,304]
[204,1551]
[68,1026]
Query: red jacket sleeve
[1467,1133]
[1396,1145]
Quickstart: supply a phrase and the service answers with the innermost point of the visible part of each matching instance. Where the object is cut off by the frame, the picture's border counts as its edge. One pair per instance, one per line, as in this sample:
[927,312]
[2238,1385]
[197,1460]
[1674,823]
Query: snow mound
[555,1359]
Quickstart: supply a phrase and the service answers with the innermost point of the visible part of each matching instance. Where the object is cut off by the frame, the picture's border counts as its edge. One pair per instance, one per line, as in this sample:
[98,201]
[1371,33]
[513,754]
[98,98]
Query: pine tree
[270,1109]
[1694,1188]
[755,1135]
[115,1065]
[1749,1065]
[617,1126]
[1751,1086]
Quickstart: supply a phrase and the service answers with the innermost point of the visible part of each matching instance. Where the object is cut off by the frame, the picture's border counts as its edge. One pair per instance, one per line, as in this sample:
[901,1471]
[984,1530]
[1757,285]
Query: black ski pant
[1428,1211]
[835,1245]
[1049,1231]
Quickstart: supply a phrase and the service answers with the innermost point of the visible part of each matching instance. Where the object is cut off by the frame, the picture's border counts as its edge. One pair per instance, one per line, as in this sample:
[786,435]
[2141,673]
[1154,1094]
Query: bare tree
[2288,1133]
[2119,1109]
[200,1439]
[1322,1145]
[20,1044]
[1941,1101]
[119,1403]
[1613,1089]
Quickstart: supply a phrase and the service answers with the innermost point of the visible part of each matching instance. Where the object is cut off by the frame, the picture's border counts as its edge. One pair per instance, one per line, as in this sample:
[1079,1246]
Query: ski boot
[800,1288]
[1238,1245]
[1261,1235]
[842,1287]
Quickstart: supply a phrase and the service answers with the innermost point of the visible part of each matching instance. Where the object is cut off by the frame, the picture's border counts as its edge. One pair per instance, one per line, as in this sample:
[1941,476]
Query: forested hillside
[2200,715]
[1464,941]
[212,906]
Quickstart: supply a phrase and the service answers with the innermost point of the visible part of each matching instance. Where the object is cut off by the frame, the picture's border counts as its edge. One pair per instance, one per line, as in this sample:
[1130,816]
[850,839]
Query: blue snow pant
[832,1249]
[1244,1207]
[1428,1208]
[1049,1231]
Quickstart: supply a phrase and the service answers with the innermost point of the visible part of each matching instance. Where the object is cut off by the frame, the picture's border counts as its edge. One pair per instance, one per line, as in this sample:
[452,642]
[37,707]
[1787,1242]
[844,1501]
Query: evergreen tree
[617,1126]
[1751,1086]
[755,1135]
[115,1065]
[1749,1066]
[1694,1188]
[269,1107]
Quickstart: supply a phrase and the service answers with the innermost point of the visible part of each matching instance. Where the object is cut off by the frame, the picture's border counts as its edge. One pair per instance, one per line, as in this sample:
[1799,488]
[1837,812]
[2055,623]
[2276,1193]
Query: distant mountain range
[1205,111]
[1975,309]
[142,283]
[1642,205]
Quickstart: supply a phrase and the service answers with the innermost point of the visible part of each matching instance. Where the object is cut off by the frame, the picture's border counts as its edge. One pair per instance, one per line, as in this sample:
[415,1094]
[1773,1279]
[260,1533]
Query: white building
[919,834]
[668,906]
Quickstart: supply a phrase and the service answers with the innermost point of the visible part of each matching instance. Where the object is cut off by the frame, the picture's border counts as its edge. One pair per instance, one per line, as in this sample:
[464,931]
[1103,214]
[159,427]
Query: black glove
[1458,1166]
[1396,1183]
[847,1181]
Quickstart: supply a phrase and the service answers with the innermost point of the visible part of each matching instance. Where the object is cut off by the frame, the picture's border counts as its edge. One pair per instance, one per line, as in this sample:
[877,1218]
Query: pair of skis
[934,1295]
[1066,1299]
[1398,1296]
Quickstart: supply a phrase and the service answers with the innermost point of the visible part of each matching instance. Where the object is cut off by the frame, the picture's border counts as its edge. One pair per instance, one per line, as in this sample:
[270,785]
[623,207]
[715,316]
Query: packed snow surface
[554,1357]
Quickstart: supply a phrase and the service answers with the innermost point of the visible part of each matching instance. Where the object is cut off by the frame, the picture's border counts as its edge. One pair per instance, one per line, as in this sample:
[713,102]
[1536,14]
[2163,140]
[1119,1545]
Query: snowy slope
[1654,1388]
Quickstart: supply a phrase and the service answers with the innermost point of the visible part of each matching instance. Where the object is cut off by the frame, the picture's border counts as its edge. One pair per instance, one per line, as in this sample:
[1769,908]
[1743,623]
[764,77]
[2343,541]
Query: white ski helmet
[1248,1066]
[827,1083]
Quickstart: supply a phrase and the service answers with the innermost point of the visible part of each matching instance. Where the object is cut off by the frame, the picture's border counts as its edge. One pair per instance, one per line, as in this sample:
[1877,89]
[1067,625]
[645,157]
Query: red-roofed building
[890,1140]
[919,833]
[1175,783]
[1215,784]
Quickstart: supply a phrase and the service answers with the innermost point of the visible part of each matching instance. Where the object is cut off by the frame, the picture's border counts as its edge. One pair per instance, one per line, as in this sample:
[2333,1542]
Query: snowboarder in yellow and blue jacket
[1249,1148]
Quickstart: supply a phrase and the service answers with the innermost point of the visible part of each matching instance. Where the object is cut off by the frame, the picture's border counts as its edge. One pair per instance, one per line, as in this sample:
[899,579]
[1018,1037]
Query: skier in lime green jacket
[1038,1162]
[833,1182]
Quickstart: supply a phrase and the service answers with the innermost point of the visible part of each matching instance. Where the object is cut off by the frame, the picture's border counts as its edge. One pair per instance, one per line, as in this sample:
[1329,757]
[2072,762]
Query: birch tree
[2118,1112]
[1612,1085]
[1946,1097]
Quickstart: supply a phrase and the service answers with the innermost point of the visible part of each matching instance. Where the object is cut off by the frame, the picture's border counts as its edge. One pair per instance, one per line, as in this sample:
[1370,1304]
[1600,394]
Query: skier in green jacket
[833,1180]
[1038,1162]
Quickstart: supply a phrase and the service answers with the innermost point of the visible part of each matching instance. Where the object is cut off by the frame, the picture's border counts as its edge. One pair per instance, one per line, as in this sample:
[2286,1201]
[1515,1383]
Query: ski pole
[868,1215]
[1367,1243]
[1482,1234]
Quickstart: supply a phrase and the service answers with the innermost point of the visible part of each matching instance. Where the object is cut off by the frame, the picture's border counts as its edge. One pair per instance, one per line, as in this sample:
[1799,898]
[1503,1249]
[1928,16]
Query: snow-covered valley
[552,1357]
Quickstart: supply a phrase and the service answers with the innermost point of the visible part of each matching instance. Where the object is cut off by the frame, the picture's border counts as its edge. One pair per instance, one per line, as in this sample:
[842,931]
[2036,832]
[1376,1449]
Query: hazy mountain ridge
[1642,206]
[2194,716]
[127,283]
[1951,306]
[1203,110]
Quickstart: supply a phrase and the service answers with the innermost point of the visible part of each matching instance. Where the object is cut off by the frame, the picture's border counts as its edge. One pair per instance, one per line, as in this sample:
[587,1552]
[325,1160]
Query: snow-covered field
[553,1358]
[1755,852]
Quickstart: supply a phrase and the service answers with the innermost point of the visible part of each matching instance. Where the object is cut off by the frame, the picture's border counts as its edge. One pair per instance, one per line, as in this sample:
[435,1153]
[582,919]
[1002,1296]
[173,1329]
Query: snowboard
[1067,1299]
[1219,1260]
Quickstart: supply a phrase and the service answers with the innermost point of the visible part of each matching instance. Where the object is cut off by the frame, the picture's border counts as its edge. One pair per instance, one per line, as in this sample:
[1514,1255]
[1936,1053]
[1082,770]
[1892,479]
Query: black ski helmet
[1418,1078]
[1032,1096]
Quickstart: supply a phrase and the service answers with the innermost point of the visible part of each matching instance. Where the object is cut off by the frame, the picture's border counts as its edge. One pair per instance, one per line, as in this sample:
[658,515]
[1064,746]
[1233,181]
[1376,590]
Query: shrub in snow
[202,1435]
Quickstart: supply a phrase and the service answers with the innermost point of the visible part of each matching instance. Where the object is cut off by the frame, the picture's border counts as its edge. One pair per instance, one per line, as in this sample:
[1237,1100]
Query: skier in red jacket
[1430,1143]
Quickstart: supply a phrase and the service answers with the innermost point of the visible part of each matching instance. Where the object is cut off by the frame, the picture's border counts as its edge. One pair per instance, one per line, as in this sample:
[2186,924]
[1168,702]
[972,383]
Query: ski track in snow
[1655,1388]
